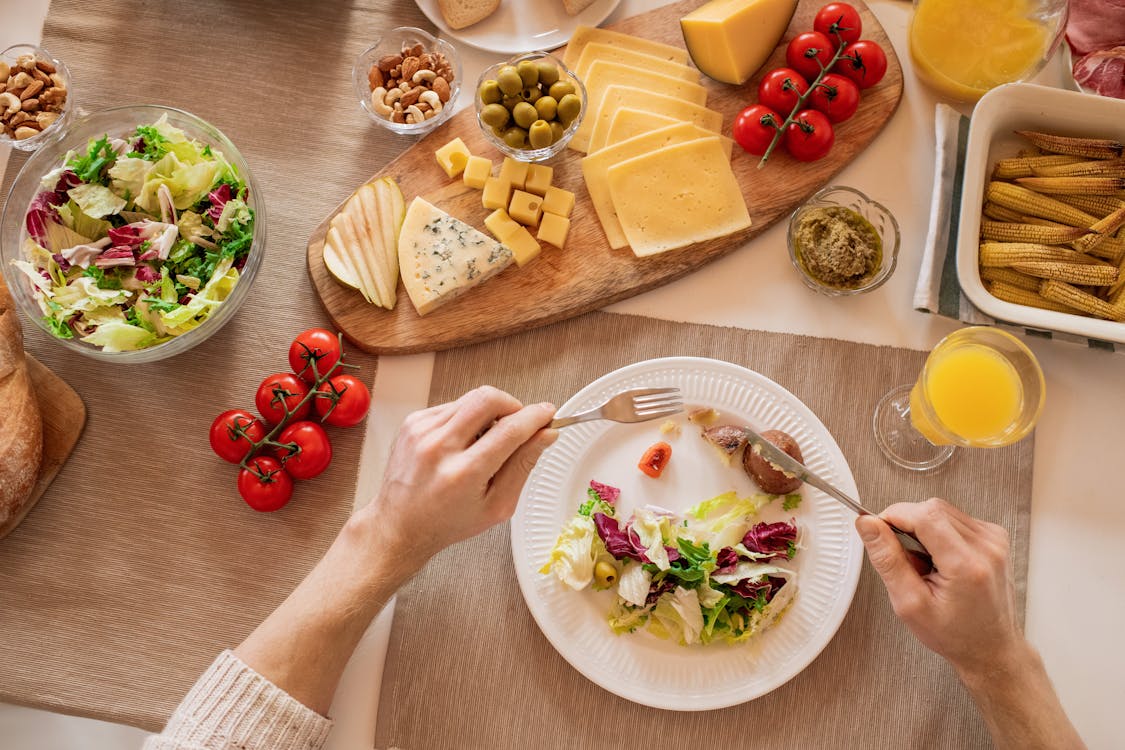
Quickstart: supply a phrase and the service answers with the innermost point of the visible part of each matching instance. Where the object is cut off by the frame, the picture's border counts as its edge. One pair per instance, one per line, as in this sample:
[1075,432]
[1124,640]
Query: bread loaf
[461,13]
[21,429]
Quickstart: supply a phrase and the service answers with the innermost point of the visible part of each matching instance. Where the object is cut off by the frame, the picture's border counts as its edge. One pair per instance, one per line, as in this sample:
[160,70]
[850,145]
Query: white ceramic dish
[520,26]
[1000,112]
[639,666]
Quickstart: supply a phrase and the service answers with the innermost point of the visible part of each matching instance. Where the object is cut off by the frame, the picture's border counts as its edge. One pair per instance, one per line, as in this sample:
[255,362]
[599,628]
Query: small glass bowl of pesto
[842,242]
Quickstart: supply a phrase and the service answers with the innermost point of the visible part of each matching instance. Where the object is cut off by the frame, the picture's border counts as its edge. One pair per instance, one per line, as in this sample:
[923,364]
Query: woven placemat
[141,562]
[468,667]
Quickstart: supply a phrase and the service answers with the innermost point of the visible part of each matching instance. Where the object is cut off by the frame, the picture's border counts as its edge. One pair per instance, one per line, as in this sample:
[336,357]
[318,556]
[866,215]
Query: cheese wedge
[730,39]
[442,257]
[603,74]
[583,35]
[621,97]
[660,210]
[601,51]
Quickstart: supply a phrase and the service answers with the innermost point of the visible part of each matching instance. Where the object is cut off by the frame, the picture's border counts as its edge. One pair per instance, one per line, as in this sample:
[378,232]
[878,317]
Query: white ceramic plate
[1000,112]
[640,666]
[520,26]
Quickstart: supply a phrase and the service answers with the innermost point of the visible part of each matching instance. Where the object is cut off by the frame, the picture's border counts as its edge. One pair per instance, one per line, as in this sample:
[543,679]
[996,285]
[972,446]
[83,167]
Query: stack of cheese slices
[21,429]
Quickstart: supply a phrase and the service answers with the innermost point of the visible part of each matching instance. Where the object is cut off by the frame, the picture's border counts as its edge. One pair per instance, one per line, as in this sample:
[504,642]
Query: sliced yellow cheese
[730,39]
[602,75]
[601,51]
[584,35]
[660,210]
[628,123]
[619,97]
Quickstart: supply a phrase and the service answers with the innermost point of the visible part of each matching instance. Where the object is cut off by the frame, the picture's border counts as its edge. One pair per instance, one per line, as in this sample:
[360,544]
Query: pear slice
[339,264]
[349,235]
[367,211]
[392,212]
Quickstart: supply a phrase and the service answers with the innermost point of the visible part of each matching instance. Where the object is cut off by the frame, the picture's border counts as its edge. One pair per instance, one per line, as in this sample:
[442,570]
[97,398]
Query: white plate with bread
[514,26]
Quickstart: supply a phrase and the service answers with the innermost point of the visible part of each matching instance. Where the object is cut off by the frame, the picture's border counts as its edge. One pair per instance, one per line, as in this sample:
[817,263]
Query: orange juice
[963,48]
[972,391]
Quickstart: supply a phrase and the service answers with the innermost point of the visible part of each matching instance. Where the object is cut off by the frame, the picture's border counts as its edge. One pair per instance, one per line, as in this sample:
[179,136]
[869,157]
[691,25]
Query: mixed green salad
[712,574]
[137,240]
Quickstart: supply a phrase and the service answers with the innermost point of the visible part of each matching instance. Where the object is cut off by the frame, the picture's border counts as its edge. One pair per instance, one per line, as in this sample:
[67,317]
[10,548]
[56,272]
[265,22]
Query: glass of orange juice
[980,388]
[963,48]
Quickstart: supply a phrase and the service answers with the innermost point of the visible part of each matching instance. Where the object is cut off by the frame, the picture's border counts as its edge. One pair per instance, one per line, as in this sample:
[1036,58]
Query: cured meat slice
[1095,25]
[1102,72]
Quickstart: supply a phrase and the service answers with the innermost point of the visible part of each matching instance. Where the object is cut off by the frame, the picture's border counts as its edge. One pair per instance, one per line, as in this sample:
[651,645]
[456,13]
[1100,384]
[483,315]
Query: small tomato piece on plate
[835,96]
[755,127]
[781,88]
[265,486]
[838,19]
[233,434]
[313,451]
[313,353]
[350,404]
[809,137]
[280,395]
[808,53]
[655,459]
[864,62]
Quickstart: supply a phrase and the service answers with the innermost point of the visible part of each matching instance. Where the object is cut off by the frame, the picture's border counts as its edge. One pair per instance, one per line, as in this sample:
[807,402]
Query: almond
[387,63]
[46,66]
[32,89]
[410,66]
[441,88]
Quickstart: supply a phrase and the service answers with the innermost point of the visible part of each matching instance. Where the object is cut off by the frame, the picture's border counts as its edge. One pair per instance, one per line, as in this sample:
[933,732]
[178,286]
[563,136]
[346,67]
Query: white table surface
[1076,577]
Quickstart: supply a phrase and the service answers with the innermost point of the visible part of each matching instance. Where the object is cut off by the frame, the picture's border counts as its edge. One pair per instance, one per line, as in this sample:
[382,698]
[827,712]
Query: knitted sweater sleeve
[233,707]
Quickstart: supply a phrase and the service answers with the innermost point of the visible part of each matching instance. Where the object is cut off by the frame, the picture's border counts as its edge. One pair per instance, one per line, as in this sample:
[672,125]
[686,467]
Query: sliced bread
[461,13]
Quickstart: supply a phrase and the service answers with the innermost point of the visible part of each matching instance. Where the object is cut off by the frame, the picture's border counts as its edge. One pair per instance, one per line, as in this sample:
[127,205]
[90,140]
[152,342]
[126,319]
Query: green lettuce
[96,201]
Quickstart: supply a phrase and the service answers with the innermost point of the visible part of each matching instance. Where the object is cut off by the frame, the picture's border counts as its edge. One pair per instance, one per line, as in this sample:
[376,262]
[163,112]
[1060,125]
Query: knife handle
[920,556]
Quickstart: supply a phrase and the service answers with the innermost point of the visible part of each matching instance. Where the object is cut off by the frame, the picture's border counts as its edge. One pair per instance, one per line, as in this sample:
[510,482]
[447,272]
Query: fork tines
[655,402]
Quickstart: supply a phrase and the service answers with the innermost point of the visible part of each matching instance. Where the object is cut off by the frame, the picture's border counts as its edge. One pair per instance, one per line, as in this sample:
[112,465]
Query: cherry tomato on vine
[755,127]
[280,392]
[841,18]
[781,88]
[809,137]
[655,459]
[808,53]
[352,402]
[314,345]
[265,486]
[835,96]
[233,432]
[864,62]
[313,452]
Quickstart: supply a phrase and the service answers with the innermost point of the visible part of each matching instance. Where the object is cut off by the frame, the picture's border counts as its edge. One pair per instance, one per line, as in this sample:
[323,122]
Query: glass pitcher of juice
[963,48]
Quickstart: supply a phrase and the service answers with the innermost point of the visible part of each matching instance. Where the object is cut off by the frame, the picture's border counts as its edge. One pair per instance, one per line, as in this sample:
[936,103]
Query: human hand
[965,609]
[443,483]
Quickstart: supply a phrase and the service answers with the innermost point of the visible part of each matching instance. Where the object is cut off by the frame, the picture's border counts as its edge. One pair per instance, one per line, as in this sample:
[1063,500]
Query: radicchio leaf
[771,539]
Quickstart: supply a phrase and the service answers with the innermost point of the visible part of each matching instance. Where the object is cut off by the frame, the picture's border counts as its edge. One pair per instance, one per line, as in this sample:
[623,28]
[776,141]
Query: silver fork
[636,405]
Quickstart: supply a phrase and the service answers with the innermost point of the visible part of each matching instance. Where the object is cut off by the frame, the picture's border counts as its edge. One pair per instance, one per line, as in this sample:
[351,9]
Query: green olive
[529,72]
[557,131]
[559,89]
[531,94]
[490,92]
[524,114]
[569,107]
[539,134]
[548,72]
[509,80]
[547,108]
[515,137]
[604,574]
[494,115]
[511,101]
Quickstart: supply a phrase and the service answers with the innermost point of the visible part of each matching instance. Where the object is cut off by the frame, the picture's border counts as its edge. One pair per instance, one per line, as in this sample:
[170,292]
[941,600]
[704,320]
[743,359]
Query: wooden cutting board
[588,274]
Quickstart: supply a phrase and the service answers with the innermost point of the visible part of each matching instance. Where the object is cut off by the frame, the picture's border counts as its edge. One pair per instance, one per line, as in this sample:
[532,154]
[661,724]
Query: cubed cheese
[558,201]
[730,39]
[477,171]
[525,208]
[497,193]
[539,178]
[501,225]
[553,229]
[524,247]
[514,171]
[453,157]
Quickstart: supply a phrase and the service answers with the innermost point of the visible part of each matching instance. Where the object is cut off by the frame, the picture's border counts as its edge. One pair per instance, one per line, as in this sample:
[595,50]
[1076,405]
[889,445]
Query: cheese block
[442,257]
[677,196]
[622,97]
[584,35]
[600,51]
[730,39]
[603,74]
[595,170]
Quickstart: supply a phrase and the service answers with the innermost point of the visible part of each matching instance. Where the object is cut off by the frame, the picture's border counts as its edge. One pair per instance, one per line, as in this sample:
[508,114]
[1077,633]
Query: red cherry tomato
[835,96]
[808,53]
[838,21]
[809,137]
[265,486]
[233,432]
[315,347]
[655,459]
[754,128]
[781,88]
[864,62]
[312,454]
[353,400]
[280,393]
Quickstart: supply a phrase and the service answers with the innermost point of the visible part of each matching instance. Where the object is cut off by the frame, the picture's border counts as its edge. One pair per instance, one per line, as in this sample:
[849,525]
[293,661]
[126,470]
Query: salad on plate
[137,240]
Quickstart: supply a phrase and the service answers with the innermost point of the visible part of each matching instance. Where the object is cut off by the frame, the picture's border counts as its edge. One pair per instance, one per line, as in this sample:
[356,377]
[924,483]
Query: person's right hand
[965,609]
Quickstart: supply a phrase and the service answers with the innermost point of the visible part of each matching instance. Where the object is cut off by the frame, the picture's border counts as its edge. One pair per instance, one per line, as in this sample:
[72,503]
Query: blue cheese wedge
[442,257]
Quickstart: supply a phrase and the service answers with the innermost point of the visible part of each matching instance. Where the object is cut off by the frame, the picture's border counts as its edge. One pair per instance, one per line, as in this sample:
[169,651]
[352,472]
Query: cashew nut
[423,75]
[378,103]
[414,115]
[394,95]
[431,98]
[10,102]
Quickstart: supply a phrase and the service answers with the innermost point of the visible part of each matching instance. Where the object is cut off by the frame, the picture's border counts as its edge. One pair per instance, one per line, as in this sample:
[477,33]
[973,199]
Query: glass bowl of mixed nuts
[35,97]
[408,80]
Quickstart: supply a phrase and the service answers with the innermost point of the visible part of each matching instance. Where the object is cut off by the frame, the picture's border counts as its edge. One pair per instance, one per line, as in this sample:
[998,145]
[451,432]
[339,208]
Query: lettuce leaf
[96,201]
[573,556]
[120,336]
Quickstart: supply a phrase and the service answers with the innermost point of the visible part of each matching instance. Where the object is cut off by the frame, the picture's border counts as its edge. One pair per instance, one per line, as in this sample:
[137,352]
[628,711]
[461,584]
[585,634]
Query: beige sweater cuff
[233,706]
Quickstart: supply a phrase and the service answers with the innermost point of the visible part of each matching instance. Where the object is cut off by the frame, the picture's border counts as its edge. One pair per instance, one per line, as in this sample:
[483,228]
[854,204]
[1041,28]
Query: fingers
[935,525]
[476,411]
[906,589]
[496,446]
[509,480]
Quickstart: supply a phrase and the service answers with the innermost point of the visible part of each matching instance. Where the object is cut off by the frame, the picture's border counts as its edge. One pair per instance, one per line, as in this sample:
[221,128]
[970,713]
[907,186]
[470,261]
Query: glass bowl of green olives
[530,106]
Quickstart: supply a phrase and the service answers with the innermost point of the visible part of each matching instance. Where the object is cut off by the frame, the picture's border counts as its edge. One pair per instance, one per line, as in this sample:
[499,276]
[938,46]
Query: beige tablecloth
[468,667]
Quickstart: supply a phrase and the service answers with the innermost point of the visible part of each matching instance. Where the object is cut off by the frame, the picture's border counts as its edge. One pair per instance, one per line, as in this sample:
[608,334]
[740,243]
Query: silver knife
[790,465]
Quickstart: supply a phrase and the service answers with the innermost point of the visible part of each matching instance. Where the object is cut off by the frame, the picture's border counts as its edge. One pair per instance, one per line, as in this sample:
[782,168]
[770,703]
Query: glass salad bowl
[161,192]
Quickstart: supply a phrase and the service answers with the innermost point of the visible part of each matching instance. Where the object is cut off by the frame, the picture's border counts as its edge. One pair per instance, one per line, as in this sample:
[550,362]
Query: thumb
[891,562]
[506,486]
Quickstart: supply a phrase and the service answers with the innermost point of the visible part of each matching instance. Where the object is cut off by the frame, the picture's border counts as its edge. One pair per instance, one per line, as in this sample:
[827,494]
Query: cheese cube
[477,171]
[453,157]
[730,39]
[526,208]
[523,246]
[501,225]
[514,171]
[558,201]
[553,229]
[538,178]
[497,193]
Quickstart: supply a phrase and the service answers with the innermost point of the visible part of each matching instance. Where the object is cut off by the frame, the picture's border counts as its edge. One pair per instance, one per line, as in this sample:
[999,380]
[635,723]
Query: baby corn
[1101,231]
[1020,296]
[1006,231]
[1027,201]
[1028,166]
[1099,206]
[1063,293]
[1091,148]
[1008,253]
[1073,185]
[1101,168]
[1072,273]
[1011,278]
